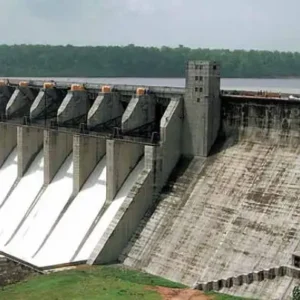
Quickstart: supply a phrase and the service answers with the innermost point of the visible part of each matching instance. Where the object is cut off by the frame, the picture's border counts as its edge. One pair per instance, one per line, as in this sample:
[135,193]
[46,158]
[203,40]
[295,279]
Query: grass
[105,283]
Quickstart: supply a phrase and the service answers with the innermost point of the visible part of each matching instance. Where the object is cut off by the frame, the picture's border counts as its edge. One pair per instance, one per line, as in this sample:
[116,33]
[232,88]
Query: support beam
[8,138]
[87,152]
[140,111]
[121,159]
[20,102]
[106,107]
[30,142]
[57,147]
[45,99]
[75,105]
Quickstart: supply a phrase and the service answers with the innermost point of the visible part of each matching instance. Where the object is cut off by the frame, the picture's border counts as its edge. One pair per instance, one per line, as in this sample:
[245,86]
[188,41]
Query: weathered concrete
[8,138]
[171,137]
[5,94]
[245,194]
[57,147]
[20,102]
[45,99]
[139,112]
[201,107]
[29,143]
[87,152]
[121,159]
[75,105]
[106,107]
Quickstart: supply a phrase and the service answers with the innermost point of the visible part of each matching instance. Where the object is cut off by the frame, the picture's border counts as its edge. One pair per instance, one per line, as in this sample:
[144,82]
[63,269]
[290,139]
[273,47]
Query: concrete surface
[171,137]
[123,215]
[202,107]
[29,142]
[8,138]
[46,98]
[106,107]
[20,102]
[121,160]
[245,194]
[280,288]
[87,152]
[139,112]
[75,105]
[57,147]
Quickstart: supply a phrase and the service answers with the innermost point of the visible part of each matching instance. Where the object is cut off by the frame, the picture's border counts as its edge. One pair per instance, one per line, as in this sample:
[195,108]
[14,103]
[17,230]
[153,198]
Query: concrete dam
[193,184]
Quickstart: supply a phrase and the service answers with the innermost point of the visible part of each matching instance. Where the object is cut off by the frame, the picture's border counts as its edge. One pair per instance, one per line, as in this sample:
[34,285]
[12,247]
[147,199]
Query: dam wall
[181,183]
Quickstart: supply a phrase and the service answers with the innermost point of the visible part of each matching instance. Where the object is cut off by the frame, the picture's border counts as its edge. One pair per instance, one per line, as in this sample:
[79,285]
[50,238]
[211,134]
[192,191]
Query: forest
[136,61]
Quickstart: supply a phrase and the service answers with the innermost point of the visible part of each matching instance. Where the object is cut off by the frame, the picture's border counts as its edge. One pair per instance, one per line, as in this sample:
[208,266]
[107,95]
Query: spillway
[21,200]
[111,211]
[8,175]
[76,221]
[39,222]
[48,226]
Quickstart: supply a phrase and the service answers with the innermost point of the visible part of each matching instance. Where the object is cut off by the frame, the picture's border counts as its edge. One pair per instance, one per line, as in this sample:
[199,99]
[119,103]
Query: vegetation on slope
[133,61]
[105,283]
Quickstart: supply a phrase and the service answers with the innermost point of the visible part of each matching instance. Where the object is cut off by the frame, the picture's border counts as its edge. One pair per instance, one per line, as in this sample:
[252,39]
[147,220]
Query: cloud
[246,24]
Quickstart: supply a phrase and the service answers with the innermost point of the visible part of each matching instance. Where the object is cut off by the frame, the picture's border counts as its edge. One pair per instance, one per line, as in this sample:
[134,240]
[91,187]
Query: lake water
[291,86]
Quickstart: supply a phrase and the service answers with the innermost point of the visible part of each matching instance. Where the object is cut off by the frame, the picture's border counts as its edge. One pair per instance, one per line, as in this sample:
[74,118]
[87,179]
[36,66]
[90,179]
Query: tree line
[136,61]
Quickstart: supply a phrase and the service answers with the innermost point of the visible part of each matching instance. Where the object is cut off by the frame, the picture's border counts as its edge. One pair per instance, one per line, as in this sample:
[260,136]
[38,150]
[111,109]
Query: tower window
[196,77]
[198,99]
[201,78]
[196,89]
[201,90]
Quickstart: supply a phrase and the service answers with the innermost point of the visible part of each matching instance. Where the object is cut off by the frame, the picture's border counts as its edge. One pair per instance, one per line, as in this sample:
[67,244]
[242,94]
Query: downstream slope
[242,214]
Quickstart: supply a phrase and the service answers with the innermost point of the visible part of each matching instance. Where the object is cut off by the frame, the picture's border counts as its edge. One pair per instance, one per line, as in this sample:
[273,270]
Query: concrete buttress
[106,107]
[5,94]
[45,99]
[57,147]
[87,152]
[74,106]
[29,143]
[20,102]
[121,159]
[140,111]
[8,137]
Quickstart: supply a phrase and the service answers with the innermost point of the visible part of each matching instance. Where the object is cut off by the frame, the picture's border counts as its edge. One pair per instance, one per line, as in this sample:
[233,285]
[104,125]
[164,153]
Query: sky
[230,24]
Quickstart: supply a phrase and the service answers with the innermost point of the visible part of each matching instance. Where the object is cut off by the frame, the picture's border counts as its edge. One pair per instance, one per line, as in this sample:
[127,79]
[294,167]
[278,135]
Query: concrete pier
[20,102]
[74,106]
[57,147]
[139,112]
[106,107]
[121,160]
[87,152]
[8,138]
[46,99]
[30,142]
